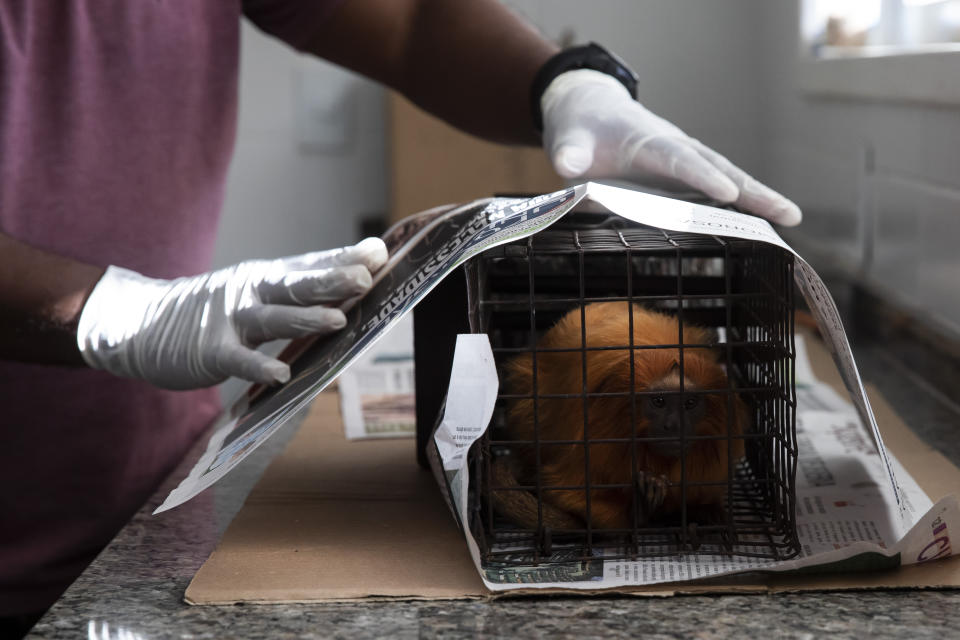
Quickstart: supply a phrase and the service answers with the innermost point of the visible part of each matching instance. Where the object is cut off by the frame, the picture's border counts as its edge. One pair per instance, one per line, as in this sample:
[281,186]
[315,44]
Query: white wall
[879,182]
[283,195]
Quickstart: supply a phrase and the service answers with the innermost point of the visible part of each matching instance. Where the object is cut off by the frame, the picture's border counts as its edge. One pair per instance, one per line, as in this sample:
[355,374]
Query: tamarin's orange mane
[609,371]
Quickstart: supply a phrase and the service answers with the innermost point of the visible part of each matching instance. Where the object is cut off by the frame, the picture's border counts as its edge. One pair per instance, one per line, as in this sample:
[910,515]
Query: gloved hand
[593,128]
[197,331]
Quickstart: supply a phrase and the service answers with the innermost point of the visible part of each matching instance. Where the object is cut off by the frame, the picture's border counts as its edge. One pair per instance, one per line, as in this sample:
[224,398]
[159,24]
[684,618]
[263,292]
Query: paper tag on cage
[471,397]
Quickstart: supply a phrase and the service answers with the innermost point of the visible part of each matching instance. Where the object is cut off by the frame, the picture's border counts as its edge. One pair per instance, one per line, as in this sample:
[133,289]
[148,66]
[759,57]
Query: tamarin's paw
[651,492]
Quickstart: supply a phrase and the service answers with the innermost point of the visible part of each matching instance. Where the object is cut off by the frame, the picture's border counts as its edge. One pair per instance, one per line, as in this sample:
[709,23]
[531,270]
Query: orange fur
[607,324]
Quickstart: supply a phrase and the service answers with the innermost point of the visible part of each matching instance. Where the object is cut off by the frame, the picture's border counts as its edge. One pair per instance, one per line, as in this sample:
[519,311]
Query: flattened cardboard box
[332,520]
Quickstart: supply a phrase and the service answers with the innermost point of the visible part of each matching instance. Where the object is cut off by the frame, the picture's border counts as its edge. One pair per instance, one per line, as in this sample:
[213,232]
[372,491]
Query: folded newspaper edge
[442,241]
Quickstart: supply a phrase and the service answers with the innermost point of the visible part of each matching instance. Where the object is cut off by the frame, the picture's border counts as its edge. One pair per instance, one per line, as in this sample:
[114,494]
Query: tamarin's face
[669,414]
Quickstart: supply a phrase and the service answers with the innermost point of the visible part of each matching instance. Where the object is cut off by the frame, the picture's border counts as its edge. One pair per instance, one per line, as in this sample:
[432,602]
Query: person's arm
[470,62]
[193,331]
[41,296]
[473,63]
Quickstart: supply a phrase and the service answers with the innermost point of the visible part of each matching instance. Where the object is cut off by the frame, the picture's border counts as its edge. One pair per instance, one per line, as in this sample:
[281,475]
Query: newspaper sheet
[424,249]
[377,391]
[888,517]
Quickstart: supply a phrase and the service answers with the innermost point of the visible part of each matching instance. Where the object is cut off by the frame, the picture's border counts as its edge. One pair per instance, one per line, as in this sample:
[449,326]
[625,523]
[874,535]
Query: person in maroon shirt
[117,122]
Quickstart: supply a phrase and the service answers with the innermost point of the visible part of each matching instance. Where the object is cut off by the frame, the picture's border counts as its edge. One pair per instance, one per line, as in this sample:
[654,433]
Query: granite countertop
[134,589]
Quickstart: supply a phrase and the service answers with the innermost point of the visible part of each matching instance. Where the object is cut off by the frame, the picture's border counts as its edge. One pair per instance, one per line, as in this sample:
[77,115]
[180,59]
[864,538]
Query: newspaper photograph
[377,390]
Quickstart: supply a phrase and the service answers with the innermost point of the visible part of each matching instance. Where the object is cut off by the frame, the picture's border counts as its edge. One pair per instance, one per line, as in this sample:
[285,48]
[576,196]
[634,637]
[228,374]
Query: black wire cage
[616,459]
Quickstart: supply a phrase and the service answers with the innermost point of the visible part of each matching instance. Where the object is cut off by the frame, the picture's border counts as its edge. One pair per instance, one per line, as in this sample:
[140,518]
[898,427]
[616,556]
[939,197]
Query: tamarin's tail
[521,507]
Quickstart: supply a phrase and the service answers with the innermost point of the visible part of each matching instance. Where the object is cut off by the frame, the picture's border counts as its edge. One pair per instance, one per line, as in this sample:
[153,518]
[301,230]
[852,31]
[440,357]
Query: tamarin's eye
[690,403]
[658,401]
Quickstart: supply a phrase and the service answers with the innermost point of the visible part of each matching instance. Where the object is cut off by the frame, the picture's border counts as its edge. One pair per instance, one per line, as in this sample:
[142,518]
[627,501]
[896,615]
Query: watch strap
[590,56]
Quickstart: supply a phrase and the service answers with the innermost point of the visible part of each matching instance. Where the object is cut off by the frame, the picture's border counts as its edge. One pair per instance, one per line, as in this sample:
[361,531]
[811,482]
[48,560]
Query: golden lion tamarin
[659,420]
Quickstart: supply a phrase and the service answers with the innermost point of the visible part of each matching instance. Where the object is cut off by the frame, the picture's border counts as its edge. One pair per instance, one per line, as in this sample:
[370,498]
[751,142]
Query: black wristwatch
[591,56]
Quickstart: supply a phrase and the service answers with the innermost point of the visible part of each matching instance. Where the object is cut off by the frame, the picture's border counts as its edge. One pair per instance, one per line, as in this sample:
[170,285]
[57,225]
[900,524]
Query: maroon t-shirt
[117,122]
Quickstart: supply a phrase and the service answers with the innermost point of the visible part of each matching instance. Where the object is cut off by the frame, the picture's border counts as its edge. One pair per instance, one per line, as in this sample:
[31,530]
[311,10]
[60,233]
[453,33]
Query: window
[893,50]
[844,28]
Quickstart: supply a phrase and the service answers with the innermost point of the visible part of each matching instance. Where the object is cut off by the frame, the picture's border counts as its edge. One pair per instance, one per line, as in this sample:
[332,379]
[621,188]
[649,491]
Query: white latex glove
[593,128]
[198,331]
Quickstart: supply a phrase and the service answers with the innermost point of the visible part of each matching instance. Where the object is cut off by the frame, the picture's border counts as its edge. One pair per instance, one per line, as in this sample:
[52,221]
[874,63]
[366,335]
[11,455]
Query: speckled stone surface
[135,588]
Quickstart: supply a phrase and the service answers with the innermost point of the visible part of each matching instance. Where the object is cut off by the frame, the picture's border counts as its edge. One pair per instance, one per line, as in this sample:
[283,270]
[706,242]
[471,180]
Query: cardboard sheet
[333,520]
